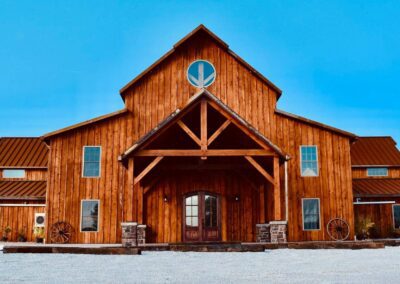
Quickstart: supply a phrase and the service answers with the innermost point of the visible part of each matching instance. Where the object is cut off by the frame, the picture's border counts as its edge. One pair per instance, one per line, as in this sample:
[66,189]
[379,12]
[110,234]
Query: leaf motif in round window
[201,73]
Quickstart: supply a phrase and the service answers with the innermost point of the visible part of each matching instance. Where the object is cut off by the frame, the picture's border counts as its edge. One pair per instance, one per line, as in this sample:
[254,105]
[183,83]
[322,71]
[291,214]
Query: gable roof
[376,187]
[375,151]
[315,123]
[23,152]
[23,190]
[225,46]
[84,123]
[173,117]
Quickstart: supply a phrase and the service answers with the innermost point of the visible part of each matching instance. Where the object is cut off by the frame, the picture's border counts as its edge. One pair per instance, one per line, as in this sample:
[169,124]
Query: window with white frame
[377,172]
[13,173]
[396,216]
[309,161]
[91,161]
[311,214]
[89,215]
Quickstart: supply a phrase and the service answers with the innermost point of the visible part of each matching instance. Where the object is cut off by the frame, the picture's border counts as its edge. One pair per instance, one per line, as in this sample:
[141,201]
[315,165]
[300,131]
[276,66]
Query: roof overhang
[177,114]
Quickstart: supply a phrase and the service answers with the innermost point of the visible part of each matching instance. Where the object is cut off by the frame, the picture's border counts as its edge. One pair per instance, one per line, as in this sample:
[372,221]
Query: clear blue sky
[62,62]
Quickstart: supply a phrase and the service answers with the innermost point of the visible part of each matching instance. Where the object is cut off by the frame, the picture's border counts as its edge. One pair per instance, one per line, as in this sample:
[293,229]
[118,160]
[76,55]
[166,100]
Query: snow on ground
[273,266]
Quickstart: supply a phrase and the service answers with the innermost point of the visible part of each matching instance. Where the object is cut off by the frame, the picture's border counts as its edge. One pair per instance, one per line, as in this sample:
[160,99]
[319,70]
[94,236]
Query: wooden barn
[23,175]
[200,153]
[376,185]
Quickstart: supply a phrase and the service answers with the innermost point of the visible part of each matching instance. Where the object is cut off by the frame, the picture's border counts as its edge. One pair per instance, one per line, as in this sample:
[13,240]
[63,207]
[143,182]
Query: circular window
[201,73]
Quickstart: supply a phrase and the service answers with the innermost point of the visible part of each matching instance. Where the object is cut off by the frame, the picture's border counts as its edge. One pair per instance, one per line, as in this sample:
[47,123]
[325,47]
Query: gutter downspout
[286,193]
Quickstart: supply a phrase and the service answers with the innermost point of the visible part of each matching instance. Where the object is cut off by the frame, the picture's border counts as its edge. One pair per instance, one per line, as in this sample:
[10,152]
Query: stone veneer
[274,232]
[133,234]
[278,231]
[263,233]
[141,234]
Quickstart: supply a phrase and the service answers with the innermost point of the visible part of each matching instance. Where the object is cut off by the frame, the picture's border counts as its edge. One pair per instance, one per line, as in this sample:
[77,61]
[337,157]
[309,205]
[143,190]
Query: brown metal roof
[375,151]
[376,187]
[23,152]
[24,190]
[201,29]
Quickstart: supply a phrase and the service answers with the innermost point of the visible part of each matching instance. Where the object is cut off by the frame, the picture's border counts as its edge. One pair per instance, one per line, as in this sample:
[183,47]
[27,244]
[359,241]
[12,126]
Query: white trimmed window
[13,173]
[311,214]
[309,161]
[396,216]
[91,161]
[377,172]
[90,216]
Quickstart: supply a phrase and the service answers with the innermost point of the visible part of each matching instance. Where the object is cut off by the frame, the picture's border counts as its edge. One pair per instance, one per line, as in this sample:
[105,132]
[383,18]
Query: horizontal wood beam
[218,132]
[201,153]
[189,132]
[261,170]
[147,170]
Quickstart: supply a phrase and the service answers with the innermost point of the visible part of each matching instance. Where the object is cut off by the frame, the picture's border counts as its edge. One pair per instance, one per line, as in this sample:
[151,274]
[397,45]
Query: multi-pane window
[377,172]
[91,161]
[13,173]
[192,211]
[311,214]
[90,216]
[396,216]
[309,161]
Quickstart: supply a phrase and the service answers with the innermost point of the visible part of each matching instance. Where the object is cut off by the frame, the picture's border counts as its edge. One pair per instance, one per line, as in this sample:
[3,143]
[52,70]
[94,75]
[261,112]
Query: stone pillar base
[263,233]
[129,234]
[278,230]
[141,234]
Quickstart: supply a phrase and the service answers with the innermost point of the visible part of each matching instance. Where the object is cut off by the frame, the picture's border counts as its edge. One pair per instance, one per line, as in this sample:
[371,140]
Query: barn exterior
[376,185]
[200,153]
[23,175]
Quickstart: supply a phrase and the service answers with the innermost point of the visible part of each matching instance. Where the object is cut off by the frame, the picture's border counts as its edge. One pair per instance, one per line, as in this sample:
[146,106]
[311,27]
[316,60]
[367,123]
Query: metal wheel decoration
[61,233]
[338,229]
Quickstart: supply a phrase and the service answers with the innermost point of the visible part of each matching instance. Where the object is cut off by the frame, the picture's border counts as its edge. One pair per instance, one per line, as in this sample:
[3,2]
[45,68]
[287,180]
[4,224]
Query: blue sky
[62,62]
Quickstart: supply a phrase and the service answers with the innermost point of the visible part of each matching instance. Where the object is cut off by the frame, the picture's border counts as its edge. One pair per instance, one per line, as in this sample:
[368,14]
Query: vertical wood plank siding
[153,98]
[19,218]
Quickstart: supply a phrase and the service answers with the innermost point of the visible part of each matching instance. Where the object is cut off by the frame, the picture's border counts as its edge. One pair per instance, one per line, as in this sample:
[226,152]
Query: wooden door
[201,222]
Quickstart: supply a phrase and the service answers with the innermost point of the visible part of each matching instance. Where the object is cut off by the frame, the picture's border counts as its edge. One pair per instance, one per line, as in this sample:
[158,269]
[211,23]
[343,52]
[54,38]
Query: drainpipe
[286,193]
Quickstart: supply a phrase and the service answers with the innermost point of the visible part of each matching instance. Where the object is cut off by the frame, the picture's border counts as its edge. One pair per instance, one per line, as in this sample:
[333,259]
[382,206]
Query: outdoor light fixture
[165,198]
[237,198]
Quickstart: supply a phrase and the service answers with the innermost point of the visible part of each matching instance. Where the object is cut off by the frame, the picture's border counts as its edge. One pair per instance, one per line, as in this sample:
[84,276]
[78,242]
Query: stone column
[263,233]
[129,234]
[141,234]
[278,231]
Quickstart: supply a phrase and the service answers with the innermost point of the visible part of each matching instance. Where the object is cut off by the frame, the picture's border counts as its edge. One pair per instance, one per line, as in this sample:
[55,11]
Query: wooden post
[262,203]
[277,191]
[203,124]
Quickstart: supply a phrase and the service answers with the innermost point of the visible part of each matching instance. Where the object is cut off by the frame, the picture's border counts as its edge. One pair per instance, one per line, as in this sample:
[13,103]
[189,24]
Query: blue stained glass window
[201,73]
[311,214]
[91,161]
[309,161]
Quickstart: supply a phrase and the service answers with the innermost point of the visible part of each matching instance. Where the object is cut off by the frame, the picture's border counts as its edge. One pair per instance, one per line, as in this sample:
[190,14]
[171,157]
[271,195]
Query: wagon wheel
[338,229]
[61,233]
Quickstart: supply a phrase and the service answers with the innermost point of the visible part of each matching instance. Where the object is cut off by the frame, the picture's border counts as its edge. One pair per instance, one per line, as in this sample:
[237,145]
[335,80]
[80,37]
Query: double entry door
[201,217]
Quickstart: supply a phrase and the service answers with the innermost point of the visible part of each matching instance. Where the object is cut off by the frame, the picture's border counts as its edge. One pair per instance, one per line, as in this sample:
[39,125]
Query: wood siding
[154,98]
[238,218]
[19,218]
[362,173]
[380,214]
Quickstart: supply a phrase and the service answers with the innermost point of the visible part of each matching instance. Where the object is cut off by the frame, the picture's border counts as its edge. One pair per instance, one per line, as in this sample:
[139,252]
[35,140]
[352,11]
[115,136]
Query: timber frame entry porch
[203,131]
